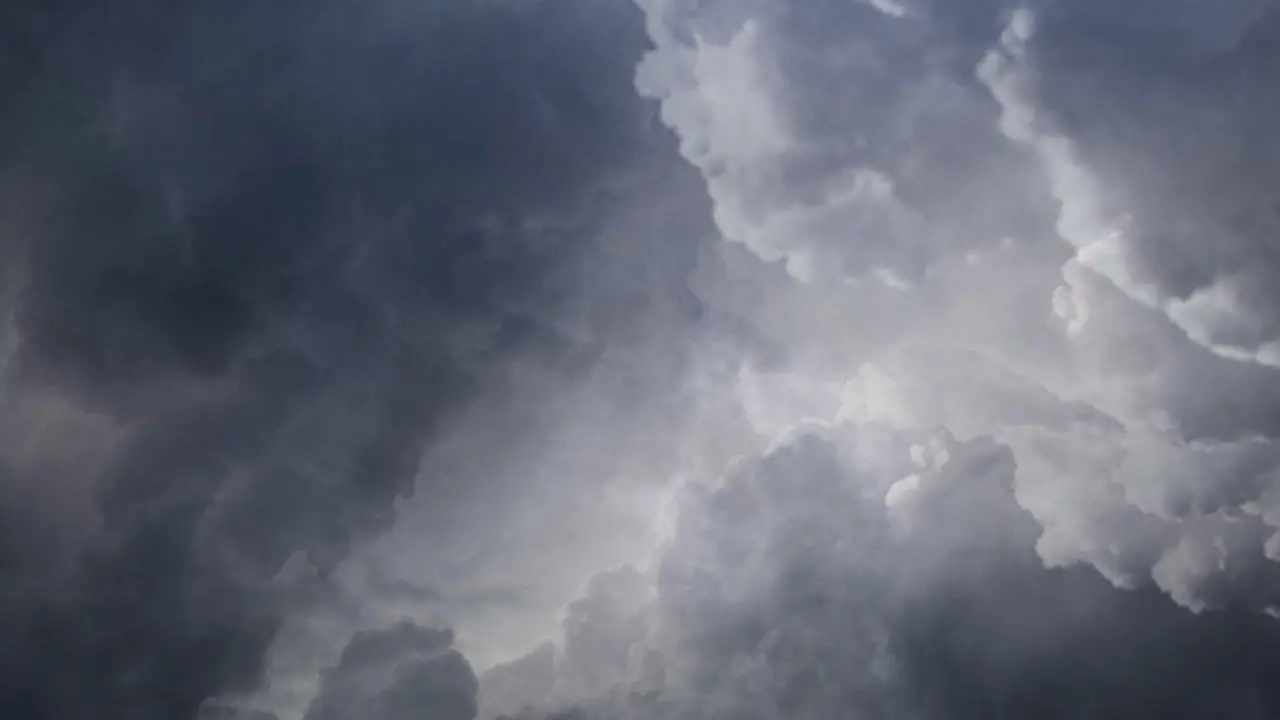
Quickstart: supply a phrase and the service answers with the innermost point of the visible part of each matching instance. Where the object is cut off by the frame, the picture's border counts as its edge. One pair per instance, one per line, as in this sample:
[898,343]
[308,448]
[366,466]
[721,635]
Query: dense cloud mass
[683,358]
[257,257]
[400,673]
[813,584]
[1098,133]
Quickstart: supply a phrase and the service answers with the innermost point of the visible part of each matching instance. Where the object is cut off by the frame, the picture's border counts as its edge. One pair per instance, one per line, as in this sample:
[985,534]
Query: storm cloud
[1059,288]
[639,358]
[795,590]
[1043,230]
[257,258]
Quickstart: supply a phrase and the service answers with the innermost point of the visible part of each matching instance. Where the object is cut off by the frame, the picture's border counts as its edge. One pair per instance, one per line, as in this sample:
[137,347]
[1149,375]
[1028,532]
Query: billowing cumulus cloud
[835,137]
[402,672]
[1112,121]
[857,570]
[908,358]
[977,205]
[1081,296]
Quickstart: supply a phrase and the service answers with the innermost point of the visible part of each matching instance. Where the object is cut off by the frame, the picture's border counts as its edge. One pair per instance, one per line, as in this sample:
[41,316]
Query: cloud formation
[403,672]
[861,570]
[1079,304]
[258,260]
[998,185]
[908,358]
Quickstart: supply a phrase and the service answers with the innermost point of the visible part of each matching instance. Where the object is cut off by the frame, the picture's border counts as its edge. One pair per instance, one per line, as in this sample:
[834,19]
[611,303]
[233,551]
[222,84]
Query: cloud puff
[403,672]
[1158,150]
[1019,186]
[1149,156]
[836,137]
[795,590]
[599,632]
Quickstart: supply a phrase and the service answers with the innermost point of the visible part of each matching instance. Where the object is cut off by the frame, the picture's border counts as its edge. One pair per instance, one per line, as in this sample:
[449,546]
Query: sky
[639,359]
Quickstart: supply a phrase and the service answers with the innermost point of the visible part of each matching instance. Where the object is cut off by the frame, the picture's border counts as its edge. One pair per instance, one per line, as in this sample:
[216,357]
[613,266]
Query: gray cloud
[793,590]
[983,235]
[865,148]
[946,325]
[266,255]
[1117,112]
[403,672]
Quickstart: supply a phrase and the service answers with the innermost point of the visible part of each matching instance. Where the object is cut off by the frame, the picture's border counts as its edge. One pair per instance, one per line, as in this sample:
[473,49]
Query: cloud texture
[1059,269]
[909,358]
[795,590]
[1000,190]
[258,259]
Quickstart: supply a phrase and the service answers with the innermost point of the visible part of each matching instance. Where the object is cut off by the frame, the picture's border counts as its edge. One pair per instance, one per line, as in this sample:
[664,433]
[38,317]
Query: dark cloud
[600,630]
[222,712]
[793,591]
[525,683]
[316,314]
[274,248]
[396,674]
